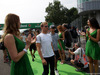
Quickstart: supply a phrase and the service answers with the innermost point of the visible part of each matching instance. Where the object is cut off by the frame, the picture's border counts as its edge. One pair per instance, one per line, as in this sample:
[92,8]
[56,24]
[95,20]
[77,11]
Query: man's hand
[44,62]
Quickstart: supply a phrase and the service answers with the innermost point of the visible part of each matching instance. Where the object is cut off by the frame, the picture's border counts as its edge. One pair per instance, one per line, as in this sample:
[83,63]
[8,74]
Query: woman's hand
[88,32]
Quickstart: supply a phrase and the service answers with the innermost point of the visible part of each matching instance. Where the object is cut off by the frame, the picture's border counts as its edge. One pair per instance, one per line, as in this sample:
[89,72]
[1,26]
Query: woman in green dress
[16,48]
[92,47]
[61,49]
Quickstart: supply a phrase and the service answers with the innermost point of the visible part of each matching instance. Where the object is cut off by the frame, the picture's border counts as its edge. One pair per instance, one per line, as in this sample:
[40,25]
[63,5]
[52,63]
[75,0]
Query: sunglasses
[46,26]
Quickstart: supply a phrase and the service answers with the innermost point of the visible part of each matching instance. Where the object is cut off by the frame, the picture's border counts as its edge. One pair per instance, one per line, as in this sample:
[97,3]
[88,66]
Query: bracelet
[25,50]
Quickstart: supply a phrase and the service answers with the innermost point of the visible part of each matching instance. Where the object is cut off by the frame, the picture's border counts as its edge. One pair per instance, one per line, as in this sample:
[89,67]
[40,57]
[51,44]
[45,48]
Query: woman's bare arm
[9,43]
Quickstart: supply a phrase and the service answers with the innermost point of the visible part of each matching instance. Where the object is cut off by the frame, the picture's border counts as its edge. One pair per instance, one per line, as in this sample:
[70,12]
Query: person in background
[74,34]
[45,49]
[33,42]
[37,32]
[32,46]
[79,57]
[16,48]
[5,56]
[68,38]
[6,59]
[78,32]
[55,41]
[61,37]
[23,37]
[92,47]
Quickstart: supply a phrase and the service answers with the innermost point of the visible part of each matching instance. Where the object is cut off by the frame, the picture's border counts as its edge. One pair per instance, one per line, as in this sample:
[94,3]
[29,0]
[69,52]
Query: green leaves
[59,14]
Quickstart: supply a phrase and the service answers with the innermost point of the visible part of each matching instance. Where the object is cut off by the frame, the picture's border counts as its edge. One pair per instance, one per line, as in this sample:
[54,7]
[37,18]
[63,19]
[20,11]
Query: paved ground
[5,67]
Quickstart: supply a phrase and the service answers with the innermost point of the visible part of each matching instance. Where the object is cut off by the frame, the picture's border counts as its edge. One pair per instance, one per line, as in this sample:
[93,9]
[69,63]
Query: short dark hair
[37,31]
[78,44]
[66,25]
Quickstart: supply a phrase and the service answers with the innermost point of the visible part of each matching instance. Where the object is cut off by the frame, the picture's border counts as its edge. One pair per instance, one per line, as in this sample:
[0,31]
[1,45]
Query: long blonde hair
[11,25]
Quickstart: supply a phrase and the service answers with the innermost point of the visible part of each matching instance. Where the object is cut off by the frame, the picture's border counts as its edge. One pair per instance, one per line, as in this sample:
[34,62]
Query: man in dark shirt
[68,38]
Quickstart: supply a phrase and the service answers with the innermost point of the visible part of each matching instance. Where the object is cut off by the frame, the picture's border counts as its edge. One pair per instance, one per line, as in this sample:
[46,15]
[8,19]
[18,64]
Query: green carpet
[63,69]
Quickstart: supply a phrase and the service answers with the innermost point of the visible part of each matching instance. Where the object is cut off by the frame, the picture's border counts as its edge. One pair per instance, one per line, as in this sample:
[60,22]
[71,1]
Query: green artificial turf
[64,69]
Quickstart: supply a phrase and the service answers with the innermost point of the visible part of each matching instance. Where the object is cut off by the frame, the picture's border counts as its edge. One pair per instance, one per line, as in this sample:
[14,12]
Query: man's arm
[38,45]
[71,52]
[52,46]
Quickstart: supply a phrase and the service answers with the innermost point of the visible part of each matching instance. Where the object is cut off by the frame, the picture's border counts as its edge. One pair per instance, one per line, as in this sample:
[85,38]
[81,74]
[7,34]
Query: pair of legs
[32,46]
[91,61]
[74,63]
[62,56]
[50,61]
[56,58]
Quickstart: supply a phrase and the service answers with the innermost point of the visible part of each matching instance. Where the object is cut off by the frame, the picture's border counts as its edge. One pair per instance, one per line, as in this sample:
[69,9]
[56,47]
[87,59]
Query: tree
[56,13]
[72,14]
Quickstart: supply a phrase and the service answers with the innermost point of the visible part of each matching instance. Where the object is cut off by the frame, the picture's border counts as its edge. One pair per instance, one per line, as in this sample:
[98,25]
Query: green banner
[27,25]
[1,26]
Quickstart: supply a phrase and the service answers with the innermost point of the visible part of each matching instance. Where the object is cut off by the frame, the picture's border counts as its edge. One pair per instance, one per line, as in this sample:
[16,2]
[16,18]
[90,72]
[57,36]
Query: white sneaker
[56,72]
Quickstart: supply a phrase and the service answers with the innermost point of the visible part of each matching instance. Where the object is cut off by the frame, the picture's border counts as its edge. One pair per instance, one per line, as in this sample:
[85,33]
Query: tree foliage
[56,13]
[59,14]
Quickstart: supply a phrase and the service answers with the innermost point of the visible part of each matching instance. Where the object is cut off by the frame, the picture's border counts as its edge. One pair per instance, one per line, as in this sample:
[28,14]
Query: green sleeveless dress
[92,48]
[62,43]
[22,67]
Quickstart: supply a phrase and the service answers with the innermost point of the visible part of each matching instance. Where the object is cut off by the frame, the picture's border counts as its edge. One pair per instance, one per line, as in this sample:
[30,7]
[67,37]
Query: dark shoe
[78,70]
[33,59]
[34,56]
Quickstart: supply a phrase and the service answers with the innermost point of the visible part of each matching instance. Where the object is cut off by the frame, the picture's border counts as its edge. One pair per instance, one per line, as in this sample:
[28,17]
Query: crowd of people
[51,46]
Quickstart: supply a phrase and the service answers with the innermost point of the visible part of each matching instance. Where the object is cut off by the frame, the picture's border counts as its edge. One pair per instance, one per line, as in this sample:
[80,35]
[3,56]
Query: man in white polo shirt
[45,49]
[79,57]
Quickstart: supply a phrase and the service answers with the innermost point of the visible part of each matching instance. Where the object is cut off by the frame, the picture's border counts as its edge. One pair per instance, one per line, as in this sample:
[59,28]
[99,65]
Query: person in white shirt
[45,49]
[79,57]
